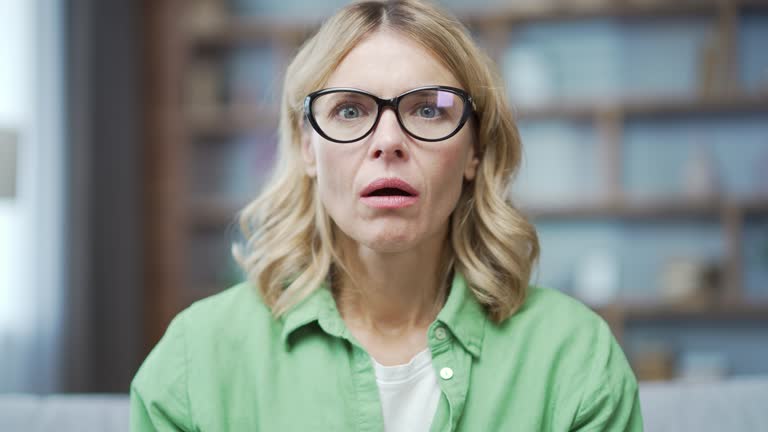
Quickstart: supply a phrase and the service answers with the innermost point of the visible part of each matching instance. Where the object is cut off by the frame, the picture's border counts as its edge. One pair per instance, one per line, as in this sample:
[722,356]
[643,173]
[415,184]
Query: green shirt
[225,364]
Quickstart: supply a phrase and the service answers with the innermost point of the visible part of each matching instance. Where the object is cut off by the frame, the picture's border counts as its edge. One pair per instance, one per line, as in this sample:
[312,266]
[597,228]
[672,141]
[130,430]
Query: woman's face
[350,176]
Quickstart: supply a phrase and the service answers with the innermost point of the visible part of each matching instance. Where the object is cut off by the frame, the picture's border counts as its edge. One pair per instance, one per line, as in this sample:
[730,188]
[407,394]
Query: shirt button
[446,373]
[440,333]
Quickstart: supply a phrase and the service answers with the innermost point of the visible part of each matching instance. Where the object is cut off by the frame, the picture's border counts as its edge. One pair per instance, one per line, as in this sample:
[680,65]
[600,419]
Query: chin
[388,246]
[387,240]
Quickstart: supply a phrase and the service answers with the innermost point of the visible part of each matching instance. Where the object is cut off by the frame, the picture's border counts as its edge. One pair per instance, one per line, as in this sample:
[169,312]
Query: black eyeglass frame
[469,109]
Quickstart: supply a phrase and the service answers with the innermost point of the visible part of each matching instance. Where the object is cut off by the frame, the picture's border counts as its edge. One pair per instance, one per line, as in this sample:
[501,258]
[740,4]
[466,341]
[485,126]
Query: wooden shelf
[251,30]
[755,207]
[231,120]
[730,104]
[668,312]
[237,31]
[658,209]
[217,213]
[558,11]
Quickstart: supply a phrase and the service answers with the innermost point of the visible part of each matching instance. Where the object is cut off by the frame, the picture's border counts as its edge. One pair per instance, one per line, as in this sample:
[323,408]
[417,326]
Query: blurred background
[131,132]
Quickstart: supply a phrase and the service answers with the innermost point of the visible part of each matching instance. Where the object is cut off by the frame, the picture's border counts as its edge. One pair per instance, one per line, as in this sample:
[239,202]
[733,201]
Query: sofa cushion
[64,413]
[735,404]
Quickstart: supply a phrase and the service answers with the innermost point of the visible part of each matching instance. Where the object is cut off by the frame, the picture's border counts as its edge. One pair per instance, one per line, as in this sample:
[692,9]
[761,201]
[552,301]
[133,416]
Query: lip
[388,182]
[391,201]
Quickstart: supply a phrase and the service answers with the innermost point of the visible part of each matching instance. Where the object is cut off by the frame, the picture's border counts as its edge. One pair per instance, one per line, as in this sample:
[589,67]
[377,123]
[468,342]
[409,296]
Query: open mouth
[389,186]
[389,191]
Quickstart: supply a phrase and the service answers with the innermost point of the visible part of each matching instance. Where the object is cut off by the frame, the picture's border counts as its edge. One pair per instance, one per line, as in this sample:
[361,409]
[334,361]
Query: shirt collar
[462,314]
[318,306]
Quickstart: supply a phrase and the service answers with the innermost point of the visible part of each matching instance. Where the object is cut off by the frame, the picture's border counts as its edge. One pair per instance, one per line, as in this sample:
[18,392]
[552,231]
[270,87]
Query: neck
[392,294]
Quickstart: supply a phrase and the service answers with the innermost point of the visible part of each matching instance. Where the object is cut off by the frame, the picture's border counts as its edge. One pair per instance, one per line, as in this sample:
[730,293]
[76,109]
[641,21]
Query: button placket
[368,403]
[453,366]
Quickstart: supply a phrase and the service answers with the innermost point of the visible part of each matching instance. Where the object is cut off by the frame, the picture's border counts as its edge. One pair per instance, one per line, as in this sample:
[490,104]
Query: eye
[428,111]
[348,112]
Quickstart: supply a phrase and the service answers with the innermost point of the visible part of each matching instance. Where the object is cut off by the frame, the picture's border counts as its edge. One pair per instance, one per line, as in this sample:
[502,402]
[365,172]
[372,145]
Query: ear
[308,153]
[470,168]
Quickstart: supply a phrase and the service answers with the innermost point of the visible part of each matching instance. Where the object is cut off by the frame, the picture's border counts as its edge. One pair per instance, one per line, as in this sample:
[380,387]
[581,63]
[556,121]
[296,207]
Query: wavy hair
[288,249]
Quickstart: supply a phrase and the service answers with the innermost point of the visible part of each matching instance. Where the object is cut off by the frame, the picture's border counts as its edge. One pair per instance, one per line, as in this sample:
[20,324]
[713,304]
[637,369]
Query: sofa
[64,413]
[736,404]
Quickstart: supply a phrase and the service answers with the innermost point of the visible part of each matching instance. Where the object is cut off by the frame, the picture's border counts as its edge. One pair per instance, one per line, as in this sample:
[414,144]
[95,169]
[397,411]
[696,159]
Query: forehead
[387,64]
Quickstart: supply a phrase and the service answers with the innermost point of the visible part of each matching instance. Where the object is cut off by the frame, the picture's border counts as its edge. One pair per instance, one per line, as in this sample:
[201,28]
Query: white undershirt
[409,393]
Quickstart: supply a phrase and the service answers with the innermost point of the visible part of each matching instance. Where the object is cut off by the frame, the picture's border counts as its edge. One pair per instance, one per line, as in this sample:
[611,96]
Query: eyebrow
[361,88]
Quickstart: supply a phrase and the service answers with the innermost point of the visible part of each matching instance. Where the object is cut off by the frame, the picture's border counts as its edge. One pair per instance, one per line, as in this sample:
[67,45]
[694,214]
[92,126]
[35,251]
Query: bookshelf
[190,106]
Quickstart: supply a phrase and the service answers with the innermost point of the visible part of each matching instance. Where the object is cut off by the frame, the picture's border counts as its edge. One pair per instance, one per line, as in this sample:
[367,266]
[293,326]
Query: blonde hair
[289,247]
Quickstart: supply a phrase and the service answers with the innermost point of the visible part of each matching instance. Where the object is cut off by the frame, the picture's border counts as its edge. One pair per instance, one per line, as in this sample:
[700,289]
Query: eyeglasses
[345,115]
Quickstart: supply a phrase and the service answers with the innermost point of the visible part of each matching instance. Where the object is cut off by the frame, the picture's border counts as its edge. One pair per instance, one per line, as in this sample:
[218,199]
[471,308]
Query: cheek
[448,176]
[335,176]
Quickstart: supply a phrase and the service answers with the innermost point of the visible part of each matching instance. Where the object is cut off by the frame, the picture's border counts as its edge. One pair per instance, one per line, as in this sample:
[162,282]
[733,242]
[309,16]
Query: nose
[388,139]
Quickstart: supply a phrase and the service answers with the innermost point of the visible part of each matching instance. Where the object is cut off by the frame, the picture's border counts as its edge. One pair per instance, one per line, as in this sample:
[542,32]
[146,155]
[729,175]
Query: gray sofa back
[737,404]
[64,413]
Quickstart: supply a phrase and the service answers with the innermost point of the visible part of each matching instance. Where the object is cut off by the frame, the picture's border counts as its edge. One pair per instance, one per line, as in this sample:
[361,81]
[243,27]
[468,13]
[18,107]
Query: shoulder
[208,335]
[556,313]
[566,342]
[542,299]
[215,324]
[219,326]
[230,309]
[569,327]
[553,327]
[560,337]
[566,355]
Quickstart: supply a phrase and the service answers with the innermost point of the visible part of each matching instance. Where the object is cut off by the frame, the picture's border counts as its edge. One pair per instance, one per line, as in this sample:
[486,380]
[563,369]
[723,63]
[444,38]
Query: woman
[388,275]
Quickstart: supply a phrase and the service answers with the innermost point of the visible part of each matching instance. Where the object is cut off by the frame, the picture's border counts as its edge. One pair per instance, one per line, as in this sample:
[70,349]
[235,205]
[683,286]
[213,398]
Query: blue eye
[348,112]
[428,111]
